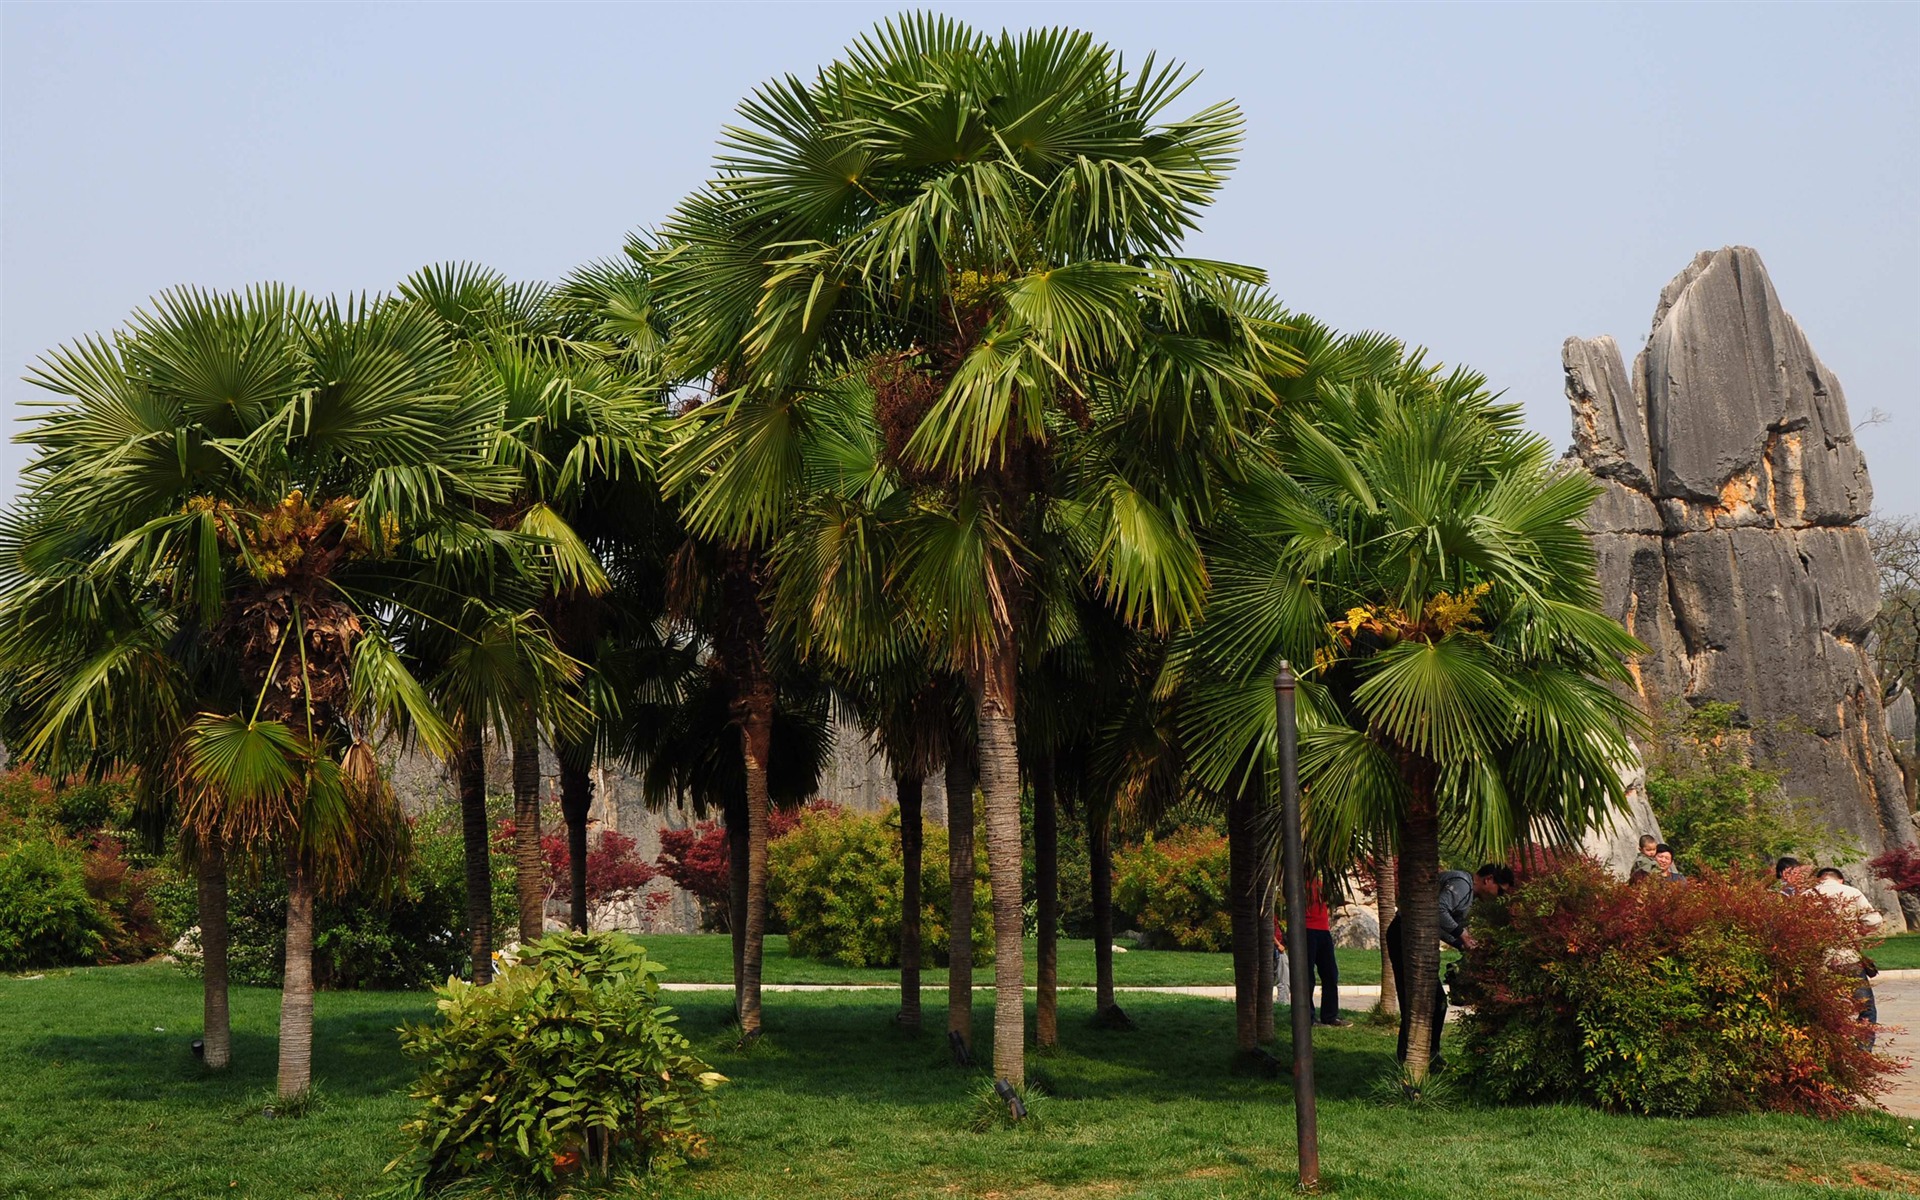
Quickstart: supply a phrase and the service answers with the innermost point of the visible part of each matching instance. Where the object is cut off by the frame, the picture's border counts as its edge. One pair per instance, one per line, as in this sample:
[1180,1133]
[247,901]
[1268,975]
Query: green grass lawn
[1898,953]
[100,1098]
[708,958]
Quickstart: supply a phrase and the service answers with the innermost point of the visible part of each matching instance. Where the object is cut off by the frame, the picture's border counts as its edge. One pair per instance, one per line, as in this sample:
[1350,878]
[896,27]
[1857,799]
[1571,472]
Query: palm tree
[1423,558]
[579,416]
[984,228]
[262,468]
[97,681]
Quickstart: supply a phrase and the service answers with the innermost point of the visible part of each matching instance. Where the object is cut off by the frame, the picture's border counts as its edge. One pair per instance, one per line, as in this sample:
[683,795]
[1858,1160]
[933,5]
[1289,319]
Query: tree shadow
[356,1055]
[847,1048]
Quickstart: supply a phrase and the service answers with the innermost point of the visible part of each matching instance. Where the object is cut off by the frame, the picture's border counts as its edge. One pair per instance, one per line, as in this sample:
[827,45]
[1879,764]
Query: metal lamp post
[1299,985]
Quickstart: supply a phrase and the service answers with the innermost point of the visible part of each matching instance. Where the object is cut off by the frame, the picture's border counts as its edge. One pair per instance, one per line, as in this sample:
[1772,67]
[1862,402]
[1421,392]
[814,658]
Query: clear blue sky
[1482,180]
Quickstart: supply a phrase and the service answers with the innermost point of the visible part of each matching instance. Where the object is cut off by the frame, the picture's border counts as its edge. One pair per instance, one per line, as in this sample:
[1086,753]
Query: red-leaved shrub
[1899,866]
[696,858]
[1715,995]
[123,892]
[614,870]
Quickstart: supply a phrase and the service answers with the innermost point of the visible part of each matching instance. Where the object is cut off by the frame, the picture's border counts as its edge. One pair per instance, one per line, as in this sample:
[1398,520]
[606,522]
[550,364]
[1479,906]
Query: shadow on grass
[356,1054]
[848,1048]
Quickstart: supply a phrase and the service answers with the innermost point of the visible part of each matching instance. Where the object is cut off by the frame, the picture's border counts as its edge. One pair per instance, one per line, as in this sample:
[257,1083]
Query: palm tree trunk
[960,892]
[756,736]
[736,819]
[908,790]
[1046,881]
[1100,867]
[216,1030]
[1420,912]
[529,864]
[994,703]
[1386,893]
[296,990]
[470,764]
[576,801]
[1249,940]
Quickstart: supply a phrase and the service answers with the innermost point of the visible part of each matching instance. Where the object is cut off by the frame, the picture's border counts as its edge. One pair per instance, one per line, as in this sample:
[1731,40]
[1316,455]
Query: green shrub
[47,918]
[1176,887]
[835,880]
[1711,996]
[566,1063]
[410,933]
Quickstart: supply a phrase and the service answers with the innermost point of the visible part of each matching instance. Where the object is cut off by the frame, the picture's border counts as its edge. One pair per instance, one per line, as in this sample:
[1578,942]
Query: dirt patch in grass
[1865,1175]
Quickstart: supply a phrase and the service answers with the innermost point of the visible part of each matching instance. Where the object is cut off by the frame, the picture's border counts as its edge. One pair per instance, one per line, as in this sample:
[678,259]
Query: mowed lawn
[100,1098]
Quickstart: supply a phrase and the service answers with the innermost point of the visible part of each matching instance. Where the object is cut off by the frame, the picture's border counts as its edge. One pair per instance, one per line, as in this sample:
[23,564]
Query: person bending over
[1458,890]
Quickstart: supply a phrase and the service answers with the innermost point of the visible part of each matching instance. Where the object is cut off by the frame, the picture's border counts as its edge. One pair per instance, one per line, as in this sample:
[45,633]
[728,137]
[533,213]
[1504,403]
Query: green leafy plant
[1177,888]
[46,916]
[1719,806]
[567,1064]
[835,881]
[1675,1001]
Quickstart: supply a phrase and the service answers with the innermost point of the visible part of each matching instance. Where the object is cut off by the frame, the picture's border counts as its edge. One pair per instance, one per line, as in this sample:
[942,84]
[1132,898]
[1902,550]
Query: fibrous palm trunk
[470,765]
[216,1031]
[576,801]
[296,990]
[960,893]
[908,789]
[1046,881]
[529,864]
[1100,868]
[756,736]
[1249,940]
[736,819]
[1386,893]
[1000,790]
[1420,912]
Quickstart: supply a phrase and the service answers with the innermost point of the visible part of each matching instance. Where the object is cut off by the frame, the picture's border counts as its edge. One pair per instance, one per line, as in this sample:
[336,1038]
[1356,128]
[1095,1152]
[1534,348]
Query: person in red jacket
[1320,957]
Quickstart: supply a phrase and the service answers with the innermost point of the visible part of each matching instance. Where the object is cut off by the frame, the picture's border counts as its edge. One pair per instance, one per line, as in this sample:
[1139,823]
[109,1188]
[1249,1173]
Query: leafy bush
[1176,887]
[567,1062]
[615,871]
[1712,997]
[699,861]
[835,880]
[76,808]
[1721,808]
[46,916]
[123,892]
[391,934]
[696,859]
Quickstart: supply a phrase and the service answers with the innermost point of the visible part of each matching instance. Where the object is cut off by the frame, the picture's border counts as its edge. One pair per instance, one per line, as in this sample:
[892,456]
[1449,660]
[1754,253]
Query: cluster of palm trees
[916,404]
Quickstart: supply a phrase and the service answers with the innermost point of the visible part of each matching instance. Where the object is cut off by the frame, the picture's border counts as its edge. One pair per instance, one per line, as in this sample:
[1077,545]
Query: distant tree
[1896,553]
[1718,806]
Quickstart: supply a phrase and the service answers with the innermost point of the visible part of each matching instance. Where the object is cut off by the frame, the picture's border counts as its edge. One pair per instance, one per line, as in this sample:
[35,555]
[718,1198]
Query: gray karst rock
[1731,538]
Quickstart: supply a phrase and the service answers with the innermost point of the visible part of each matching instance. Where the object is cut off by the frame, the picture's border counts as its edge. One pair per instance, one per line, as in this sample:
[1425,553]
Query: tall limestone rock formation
[1731,538]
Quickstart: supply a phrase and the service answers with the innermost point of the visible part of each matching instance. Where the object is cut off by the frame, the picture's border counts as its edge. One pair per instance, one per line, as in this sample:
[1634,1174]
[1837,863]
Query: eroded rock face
[1731,537]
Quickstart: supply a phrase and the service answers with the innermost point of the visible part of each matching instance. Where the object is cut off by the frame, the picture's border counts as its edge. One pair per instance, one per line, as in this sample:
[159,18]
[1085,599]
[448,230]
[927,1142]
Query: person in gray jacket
[1458,890]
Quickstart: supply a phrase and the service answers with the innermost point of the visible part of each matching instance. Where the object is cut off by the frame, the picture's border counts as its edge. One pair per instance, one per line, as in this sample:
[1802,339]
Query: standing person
[1664,870]
[1458,890]
[1320,957]
[1845,959]
[1281,978]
